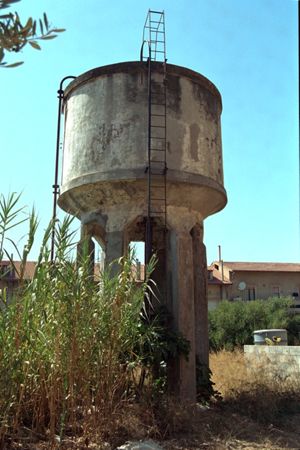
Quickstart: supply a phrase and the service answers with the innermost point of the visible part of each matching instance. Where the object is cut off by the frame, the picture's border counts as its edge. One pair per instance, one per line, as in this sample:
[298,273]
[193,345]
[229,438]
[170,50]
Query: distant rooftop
[29,268]
[261,266]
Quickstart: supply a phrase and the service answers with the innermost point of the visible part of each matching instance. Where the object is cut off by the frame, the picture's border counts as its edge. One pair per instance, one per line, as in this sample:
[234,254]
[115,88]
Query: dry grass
[256,413]
[229,372]
[251,391]
[232,374]
[269,406]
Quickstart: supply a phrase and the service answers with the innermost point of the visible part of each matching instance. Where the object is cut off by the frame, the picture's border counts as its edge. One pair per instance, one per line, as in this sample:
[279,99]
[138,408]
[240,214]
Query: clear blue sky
[247,48]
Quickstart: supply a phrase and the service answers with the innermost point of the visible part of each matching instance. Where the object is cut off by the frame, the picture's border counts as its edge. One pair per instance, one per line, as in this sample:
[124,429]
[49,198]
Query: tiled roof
[263,266]
[29,268]
[217,277]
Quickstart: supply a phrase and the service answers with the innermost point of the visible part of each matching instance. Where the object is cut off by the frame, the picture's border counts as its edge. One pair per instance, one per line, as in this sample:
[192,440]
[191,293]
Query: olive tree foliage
[15,35]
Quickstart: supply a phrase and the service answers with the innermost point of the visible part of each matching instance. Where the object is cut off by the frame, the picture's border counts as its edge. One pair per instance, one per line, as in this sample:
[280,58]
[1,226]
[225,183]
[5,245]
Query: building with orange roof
[252,280]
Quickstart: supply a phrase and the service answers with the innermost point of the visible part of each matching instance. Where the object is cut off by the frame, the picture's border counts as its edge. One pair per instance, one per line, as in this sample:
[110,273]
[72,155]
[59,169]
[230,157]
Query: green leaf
[58,30]
[50,36]
[16,64]
[29,24]
[35,45]
[41,26]
[7,3]
[46,21]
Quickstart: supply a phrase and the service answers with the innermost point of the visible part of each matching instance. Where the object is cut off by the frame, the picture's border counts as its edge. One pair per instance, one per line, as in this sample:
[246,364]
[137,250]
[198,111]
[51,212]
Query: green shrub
[232,324]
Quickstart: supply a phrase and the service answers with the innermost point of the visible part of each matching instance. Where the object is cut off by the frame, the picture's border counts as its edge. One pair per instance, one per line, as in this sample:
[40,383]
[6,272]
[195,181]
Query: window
[276,291]
[250,293]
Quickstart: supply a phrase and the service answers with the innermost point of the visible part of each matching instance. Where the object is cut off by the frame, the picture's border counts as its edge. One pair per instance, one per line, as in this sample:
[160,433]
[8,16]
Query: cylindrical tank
[105,141]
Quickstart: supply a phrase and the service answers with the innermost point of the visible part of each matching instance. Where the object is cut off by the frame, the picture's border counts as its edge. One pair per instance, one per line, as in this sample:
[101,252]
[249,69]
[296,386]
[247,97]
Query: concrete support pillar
[200,295]
[86,247]
[159,274]
[182,305]
[114,249]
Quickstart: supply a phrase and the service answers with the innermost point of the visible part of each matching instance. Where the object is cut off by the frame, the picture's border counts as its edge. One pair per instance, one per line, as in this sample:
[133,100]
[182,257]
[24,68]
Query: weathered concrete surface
[182,307]
[105,147]
[200,295]
[277,362]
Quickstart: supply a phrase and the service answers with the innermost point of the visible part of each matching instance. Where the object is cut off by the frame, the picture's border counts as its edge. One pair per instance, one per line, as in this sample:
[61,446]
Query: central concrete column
[86,248]
[114,249]
[182,307]
[200,295]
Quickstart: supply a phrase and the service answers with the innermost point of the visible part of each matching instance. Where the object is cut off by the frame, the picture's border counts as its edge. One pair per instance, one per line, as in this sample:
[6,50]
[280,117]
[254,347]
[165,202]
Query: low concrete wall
[279,362]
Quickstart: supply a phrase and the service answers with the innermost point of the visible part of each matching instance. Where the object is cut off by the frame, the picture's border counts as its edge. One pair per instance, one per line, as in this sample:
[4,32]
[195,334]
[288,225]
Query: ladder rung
[156,137]
[158,121]
[158,126]
[157,149]
[161,98]
[154,30]
[158,115]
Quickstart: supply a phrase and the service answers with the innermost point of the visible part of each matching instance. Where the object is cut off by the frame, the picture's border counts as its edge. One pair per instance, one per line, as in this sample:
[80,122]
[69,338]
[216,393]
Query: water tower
[142,161]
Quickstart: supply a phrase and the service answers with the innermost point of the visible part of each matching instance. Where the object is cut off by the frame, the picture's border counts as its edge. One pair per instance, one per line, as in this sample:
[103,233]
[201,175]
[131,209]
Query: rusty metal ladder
[154,36]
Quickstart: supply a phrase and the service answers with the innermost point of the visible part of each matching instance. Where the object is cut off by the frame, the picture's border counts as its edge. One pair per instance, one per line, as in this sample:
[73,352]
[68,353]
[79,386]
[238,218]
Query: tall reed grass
[72,351]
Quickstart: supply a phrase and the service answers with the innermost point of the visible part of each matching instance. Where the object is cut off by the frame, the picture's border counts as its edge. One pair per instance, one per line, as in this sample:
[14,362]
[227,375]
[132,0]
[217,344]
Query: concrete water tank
[104,183]
[105,146]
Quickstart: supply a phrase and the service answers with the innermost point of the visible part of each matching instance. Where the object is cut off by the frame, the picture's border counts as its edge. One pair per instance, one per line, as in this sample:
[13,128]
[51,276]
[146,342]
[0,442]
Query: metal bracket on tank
[55,186]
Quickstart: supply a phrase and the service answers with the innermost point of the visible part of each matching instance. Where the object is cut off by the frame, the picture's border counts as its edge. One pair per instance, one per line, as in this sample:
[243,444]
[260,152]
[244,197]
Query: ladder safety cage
[154,34]
[154,37]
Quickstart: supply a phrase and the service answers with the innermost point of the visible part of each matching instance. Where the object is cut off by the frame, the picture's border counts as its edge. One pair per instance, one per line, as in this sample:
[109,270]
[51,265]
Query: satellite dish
[242,286]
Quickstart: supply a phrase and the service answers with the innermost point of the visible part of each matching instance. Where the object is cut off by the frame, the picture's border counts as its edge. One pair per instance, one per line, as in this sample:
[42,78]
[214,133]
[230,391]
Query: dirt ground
[215,428]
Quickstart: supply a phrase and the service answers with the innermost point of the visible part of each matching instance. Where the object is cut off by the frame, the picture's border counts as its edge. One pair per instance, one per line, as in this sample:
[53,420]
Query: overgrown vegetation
[232,324]
[82,365]
[75,353]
